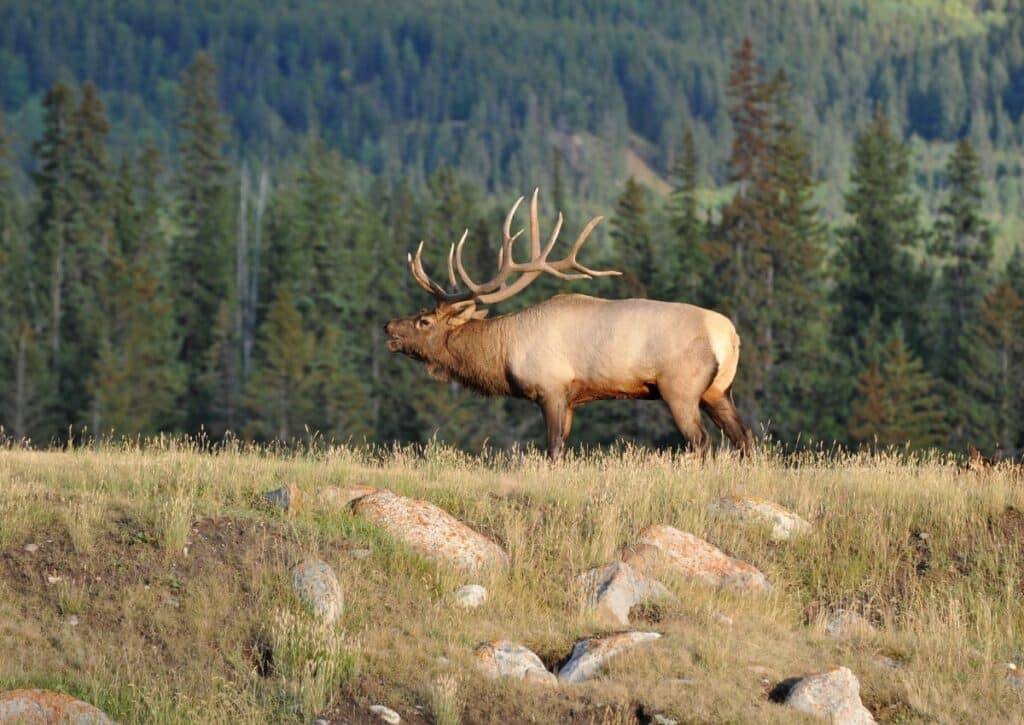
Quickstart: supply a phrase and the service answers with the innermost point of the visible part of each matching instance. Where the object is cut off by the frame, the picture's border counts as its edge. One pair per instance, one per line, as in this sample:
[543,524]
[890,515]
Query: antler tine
[571,262]
[452,284]
[436,291]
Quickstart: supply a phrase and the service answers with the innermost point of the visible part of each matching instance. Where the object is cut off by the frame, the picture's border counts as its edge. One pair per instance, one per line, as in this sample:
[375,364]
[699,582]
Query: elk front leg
[557,419]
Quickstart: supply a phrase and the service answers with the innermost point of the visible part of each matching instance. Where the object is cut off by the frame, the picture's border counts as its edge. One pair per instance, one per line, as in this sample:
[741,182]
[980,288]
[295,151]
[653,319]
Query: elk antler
[496,289]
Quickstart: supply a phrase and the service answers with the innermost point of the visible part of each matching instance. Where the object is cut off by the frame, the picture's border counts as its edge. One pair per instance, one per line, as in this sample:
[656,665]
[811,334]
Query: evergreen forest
[205,208]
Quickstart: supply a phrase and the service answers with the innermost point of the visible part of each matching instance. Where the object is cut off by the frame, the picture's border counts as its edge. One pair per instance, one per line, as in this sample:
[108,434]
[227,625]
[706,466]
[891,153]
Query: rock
[589,654]
[747,509]
[832,695]
[386,714]
[286,498]
[31,548]
[318,588]
[664,720]
[73,620]
[45,706]
[470,596]
[844,623]
[663,547]
[502,658]
[614,589]
[340,496]
[430,531]
[360,553]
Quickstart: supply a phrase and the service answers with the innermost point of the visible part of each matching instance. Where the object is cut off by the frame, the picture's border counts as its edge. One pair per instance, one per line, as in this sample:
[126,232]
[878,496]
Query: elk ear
[463,312]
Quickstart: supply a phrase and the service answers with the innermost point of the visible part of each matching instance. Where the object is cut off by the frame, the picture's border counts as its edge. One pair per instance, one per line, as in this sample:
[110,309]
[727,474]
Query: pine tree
[798,387]
[963,247]
[26,384]
[992,402]
[875,258]
[739,249]
[896,401]
[690,263]
[279,392]
[631,233]
[201,272]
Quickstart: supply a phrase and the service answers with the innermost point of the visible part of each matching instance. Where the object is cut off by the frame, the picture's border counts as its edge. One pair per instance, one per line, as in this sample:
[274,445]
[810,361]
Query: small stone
[664,720]
[832,695]
[31,548]
[73,620]
[46,706]
[431,532]
[588,655]
[52,579]
[661,548]
[501,658]
[317,586]
[286,498]
[844,624]
[360,553]
[341,496]
[888,662]
[613,590]
[747,509]
[386,714]
[470,596]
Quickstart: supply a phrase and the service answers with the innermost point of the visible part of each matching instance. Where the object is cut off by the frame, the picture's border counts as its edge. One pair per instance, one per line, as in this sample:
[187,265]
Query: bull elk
[573,349]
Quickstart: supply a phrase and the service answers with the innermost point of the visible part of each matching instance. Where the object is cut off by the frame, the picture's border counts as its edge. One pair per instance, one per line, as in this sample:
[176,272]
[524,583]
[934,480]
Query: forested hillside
[405,87]
[205,209]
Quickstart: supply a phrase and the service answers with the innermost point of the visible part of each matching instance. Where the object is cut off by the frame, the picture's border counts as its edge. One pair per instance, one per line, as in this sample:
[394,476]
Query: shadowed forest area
[204,216]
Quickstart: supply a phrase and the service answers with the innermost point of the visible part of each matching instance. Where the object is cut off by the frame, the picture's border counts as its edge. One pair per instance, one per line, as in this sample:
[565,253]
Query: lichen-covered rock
[588,655]
[614,589]
[663,547]
[42,707]
[431,531]
[317,586]
[287,498]
[844,624]
[470,596]
[502,658]
[832,695]
[336,497]
[784,523]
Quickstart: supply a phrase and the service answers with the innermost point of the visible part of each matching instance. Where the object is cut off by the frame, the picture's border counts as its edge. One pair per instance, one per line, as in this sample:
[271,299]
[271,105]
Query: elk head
[423,336]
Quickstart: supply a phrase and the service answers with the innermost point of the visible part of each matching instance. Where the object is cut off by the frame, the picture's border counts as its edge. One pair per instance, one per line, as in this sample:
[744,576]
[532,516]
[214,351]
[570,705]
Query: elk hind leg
[686,414]
[722,410]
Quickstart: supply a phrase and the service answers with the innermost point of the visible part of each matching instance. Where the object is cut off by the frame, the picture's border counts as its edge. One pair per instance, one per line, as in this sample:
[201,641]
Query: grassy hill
[160,589]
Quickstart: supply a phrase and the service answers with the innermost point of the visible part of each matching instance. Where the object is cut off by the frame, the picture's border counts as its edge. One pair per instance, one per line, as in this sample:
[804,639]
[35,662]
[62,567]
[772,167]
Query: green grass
[180,581]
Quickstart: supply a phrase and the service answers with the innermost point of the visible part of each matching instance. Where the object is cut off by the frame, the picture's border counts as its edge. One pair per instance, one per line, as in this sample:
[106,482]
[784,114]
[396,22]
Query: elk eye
[423,323]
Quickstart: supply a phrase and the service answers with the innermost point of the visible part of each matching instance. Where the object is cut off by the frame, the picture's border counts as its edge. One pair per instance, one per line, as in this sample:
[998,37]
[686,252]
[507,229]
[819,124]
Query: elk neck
[476,356]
